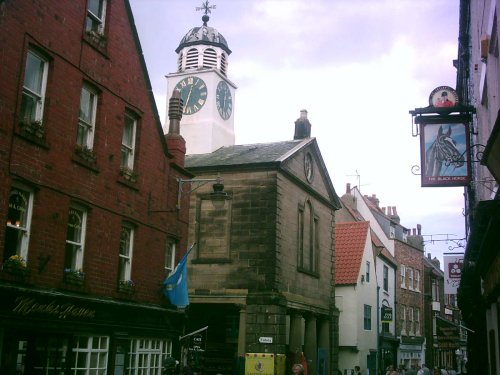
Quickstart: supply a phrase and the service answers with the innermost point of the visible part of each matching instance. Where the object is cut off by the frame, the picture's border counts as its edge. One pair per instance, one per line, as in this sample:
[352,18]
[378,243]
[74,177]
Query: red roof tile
[349,247]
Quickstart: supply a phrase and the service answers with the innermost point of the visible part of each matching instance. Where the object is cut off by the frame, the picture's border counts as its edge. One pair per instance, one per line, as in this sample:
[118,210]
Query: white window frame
[96,22]
[435,290]
[23,225]
[403,276]
[126,252]
[416,282]
[87,124]
[367,272]
[35,93]
[385,278]
[147,355]
[76,260]
[411,330]
[410,278]
[402,318]
[170,248]
[417,321]
[96,347]
[367,317]
[128,148]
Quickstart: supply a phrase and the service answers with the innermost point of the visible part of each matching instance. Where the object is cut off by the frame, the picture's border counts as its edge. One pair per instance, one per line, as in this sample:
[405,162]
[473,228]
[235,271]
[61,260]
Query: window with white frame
[75,238]
[435,290]
[411,328]
[402,319]
[367,272]
[147,355]
[35,82]
[128,142]
[403,276]
[86,119]
[126,249]
[96,12]
[19,214]
[169,257]
[367,317]
[417,321]
[91,355]
[416,282]
[386,278]
[409,273]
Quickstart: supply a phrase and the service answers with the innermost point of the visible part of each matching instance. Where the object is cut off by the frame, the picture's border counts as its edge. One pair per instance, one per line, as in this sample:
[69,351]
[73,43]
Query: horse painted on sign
[441,153]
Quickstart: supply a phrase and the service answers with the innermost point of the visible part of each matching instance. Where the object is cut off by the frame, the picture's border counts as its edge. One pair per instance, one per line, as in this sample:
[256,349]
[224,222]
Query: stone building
[261,274]
[87,195]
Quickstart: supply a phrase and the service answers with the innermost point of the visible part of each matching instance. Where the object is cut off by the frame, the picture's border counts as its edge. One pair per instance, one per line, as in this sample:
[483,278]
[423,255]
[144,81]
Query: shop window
[126,250]
[75,238]
[35,81]
[90,355]
[87,118]
[17,233]
[147,355]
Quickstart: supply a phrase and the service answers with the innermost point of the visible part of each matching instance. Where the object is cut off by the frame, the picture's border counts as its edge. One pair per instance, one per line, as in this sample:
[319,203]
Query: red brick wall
[49,166]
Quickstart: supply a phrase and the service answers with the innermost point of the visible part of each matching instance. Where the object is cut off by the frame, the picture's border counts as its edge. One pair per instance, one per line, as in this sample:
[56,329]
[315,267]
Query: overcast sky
[357,66]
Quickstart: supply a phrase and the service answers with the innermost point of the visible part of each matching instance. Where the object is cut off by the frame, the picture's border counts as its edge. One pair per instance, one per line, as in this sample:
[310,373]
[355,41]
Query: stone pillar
[242,331]
[310,344]
[296,334]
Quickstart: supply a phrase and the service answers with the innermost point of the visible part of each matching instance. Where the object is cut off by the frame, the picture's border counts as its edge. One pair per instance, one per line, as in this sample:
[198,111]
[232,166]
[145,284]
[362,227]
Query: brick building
[88,194]
[261,274]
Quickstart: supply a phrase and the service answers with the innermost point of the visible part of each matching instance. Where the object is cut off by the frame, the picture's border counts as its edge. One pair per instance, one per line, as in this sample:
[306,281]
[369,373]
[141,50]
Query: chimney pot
[419,229]
[348,188]
[388,210]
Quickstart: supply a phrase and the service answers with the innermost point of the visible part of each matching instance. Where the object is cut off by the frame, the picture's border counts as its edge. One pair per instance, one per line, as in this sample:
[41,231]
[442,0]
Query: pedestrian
[297,369]
[357,370]
[412,370]
[425,369]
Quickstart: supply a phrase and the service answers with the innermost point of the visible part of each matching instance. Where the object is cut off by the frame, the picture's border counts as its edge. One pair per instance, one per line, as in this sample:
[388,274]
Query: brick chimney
[302,126]
[348,188]
[175,142]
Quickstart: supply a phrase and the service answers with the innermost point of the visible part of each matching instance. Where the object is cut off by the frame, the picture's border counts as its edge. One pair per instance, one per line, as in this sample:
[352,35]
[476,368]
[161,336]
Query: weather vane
[207,8]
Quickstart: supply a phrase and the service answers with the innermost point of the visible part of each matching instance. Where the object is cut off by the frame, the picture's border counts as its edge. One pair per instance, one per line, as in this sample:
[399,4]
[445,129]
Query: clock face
[193,93]
[224,100]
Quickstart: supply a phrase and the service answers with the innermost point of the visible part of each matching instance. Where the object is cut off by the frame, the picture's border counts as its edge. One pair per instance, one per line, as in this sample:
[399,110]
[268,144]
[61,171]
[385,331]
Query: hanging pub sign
[453,264]
[444,154]
[443,97]
[386,314]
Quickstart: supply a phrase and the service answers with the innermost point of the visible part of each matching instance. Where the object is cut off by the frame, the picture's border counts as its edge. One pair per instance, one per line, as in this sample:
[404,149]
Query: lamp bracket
[198,182]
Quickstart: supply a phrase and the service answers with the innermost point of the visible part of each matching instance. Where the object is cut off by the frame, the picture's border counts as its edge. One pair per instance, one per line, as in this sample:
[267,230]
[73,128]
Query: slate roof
[238,155]
[349,247]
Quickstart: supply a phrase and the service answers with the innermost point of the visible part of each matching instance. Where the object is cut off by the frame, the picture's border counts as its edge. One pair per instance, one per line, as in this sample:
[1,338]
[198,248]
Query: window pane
[95,6]
[33,77]
[86,105]
[29,105]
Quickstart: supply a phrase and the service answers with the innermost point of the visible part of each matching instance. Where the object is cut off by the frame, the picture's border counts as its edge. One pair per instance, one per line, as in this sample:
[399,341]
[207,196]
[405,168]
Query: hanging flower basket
[74,277]
[34,128]
[126,286]
[16,265]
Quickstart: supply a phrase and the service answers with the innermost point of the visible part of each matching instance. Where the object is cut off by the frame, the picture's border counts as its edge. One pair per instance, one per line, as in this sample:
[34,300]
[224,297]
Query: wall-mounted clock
[193,93]
[224,100]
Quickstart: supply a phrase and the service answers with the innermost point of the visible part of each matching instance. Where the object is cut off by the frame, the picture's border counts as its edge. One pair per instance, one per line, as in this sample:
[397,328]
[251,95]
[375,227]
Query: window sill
[211,261]
[85,162]
[17,274]
[308,272]
[37,138]
[99,43]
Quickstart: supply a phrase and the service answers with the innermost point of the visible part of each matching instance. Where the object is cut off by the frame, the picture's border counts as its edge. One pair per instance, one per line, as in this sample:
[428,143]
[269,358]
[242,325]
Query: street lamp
[218,196]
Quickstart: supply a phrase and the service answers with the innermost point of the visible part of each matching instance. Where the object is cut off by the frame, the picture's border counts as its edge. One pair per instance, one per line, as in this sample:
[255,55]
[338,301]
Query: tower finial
[207,8]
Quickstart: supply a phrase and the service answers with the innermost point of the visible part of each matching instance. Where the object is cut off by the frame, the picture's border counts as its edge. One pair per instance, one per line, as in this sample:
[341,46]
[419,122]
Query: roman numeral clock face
[224,100]
[193,93]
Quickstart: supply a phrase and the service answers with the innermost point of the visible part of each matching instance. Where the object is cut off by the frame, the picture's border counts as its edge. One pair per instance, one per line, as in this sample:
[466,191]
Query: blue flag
[175,286]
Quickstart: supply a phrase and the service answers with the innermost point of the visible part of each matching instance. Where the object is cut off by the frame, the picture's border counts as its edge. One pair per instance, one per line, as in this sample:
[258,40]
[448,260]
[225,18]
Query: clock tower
[208,118]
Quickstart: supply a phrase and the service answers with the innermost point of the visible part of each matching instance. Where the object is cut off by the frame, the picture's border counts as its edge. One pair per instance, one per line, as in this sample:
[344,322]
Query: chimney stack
[348,188]
[302,126]
[175,142]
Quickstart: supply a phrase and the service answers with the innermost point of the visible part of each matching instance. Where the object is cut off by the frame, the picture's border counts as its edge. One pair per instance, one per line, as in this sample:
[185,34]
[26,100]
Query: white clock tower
[208,118]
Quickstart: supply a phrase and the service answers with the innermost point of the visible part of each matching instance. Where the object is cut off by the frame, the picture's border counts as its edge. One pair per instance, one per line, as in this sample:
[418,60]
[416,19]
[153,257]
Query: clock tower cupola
[208,95]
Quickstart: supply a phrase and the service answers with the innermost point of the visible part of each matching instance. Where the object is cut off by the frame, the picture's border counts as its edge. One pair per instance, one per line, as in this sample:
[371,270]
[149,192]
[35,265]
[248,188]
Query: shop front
[44,331]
